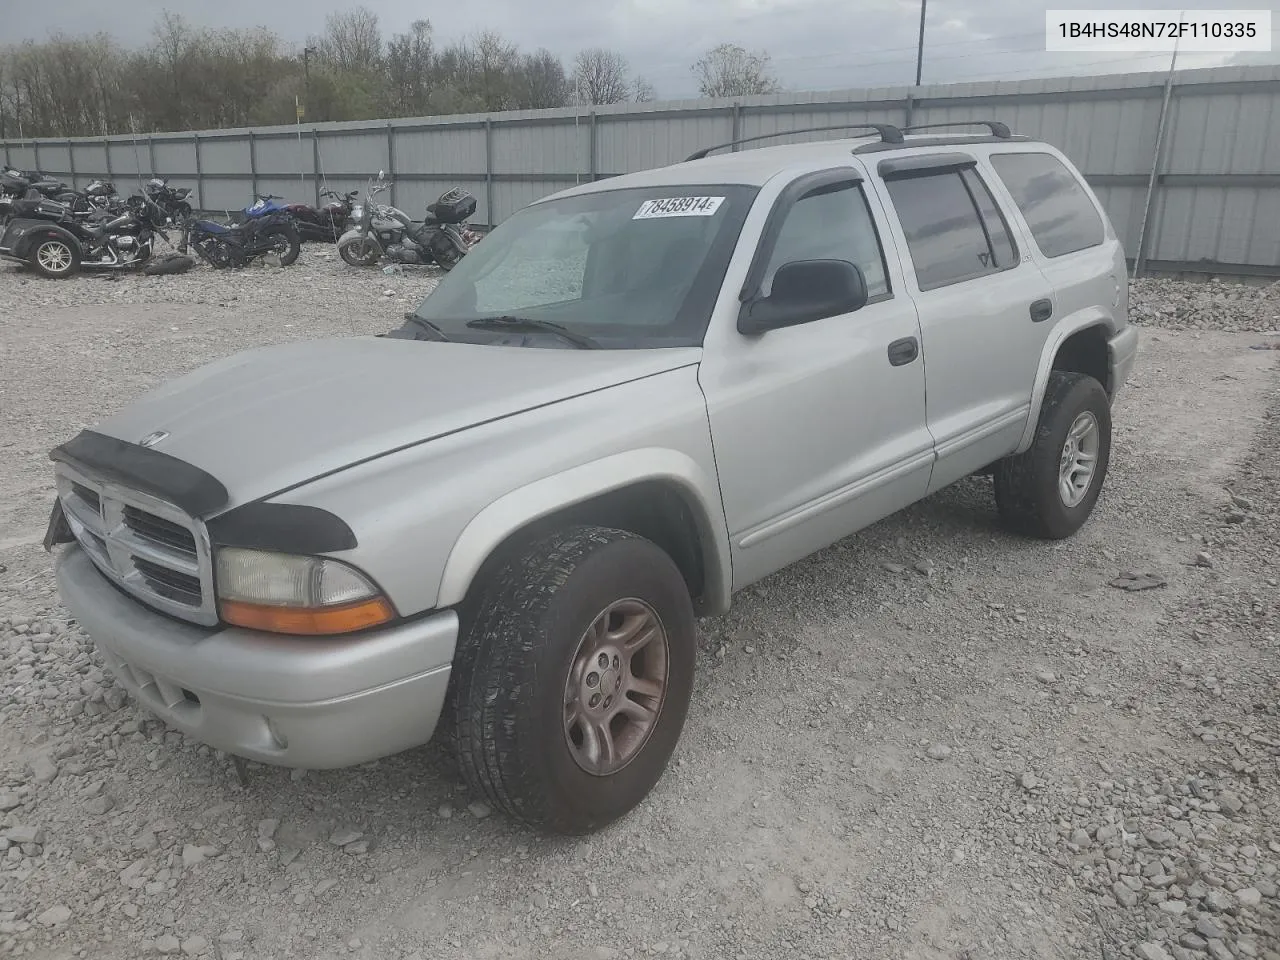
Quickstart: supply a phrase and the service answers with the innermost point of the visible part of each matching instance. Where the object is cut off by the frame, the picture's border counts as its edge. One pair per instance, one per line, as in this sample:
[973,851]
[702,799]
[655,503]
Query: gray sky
[815,44]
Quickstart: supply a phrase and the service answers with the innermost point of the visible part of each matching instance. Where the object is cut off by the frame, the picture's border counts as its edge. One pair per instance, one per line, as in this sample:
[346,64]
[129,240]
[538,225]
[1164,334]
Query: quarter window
[831,222]
[1055,205]
[954,229]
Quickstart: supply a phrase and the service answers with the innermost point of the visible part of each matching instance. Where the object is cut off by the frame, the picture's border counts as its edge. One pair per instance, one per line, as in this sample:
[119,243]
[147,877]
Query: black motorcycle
[324,224]
[99,197]
[56,243]
[174,201]
[221,245]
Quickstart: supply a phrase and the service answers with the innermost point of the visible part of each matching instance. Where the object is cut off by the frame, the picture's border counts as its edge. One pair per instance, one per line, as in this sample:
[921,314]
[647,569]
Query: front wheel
[54,258]
[1049,491]
[360,252]
[573,678]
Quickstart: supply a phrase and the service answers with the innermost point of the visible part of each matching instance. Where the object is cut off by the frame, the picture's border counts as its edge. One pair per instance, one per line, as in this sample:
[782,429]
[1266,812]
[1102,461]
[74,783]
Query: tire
[360,253]
[448,258]
[518,645]
[54,258]
[292,244]
[1028,486]
[167,265]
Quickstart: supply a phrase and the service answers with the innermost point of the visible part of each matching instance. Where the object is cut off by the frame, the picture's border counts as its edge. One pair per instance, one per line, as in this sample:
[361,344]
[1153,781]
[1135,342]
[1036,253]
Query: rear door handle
[1041,310]
[902,352]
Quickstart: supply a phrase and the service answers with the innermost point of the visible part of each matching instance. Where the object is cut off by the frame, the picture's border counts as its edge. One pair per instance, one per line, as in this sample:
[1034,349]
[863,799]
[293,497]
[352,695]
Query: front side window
[831,222]
[628,268]
[953,228]
[1055,205]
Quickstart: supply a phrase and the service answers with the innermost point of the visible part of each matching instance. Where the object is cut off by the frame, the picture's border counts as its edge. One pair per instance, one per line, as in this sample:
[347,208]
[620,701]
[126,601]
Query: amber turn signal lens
[317,621]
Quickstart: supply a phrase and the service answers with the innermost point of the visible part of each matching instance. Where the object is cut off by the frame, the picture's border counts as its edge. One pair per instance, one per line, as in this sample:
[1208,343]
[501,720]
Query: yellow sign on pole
[298,105]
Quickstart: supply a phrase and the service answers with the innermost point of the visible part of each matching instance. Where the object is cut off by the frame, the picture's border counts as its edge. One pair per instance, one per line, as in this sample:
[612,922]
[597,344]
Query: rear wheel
[285,244]
[573,678]
[1050,490]
[448,257]
[55,258]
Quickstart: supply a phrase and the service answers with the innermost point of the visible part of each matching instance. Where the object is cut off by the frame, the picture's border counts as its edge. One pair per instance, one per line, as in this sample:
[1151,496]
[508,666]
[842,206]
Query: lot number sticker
[679,207]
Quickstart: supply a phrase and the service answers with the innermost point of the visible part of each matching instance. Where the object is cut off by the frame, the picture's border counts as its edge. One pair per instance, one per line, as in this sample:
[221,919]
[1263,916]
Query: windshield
[631,268]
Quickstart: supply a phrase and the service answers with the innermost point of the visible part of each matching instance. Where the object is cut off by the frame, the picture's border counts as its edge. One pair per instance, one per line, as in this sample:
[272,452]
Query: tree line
[190,77]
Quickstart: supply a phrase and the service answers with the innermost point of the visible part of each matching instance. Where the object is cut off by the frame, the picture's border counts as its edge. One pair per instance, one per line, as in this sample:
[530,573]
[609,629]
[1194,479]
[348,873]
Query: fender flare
[353,234]
[23,248]
[509,513]
[1069,325]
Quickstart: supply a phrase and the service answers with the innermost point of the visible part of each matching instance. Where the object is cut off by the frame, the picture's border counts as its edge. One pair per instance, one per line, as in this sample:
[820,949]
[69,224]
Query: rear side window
[1059,212]
[954,230]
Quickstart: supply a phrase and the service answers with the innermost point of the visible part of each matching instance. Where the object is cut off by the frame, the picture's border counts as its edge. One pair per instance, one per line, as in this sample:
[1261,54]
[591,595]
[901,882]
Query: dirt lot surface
[931,741]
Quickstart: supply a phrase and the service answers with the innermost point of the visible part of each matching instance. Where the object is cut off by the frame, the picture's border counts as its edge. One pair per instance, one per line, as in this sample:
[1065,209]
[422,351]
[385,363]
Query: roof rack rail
[888,134]
[997,128]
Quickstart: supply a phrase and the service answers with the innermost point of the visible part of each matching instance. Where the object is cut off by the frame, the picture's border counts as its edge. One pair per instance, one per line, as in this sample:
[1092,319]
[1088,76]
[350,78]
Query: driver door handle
[902,352]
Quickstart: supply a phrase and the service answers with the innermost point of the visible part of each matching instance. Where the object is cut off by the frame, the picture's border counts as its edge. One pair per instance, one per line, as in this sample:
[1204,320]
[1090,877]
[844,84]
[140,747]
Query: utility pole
[1140,255]
[306,79]
[920,45]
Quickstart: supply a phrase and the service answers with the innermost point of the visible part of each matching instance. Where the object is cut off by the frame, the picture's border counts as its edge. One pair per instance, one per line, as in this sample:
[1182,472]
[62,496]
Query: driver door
[819,429]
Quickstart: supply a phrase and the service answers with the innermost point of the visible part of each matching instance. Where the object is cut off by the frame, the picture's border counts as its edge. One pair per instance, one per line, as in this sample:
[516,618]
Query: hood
[275,417]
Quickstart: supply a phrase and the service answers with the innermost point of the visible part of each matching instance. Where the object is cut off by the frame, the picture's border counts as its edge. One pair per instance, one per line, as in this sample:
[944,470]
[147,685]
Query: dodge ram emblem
[151,439]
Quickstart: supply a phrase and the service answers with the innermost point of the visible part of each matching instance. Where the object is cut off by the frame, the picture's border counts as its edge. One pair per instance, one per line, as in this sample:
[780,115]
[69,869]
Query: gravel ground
[930,742]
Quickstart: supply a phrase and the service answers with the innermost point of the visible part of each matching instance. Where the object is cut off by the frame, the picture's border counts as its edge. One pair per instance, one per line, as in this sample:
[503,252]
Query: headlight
[357,211]
[283,593]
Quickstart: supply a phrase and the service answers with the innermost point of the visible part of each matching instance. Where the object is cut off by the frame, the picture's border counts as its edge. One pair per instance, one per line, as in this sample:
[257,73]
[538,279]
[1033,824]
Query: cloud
[814,44]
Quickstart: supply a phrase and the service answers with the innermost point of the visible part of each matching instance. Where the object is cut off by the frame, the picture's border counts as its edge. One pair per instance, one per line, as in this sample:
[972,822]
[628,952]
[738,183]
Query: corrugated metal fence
[1216,206]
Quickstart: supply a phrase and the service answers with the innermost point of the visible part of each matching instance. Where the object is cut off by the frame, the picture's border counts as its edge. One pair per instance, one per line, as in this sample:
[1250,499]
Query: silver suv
[633,399]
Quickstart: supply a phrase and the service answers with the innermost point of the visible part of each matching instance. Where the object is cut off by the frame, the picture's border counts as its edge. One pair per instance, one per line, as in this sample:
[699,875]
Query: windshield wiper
[427,325]
[536,326]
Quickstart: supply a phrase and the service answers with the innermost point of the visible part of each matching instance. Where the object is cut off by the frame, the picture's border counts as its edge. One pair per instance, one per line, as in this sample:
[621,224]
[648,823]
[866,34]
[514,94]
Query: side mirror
[804,291]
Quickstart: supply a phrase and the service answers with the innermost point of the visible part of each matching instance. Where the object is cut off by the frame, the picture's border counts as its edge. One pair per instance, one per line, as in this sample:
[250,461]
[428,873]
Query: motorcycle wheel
[360,253]
[54,258]
[169,264]
[284,243]
[446,260]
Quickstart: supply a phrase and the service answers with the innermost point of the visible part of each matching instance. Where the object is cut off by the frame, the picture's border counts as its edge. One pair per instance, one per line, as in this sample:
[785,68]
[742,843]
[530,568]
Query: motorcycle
[324,224]
[42,183]
[98,198]
[222,245]
[56,243]
[174,201]
[380,230]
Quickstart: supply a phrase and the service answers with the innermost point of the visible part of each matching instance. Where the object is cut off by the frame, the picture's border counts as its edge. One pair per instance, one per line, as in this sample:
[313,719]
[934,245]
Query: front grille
[160,530]
[146,546]
[173,584]
[90,497]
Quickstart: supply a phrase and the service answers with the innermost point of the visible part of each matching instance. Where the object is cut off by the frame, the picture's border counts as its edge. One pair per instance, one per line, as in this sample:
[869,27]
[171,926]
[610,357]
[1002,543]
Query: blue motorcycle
[268,229]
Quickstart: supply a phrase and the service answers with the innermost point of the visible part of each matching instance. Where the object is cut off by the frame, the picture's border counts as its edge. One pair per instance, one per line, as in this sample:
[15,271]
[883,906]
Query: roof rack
[997,128]
[888,134]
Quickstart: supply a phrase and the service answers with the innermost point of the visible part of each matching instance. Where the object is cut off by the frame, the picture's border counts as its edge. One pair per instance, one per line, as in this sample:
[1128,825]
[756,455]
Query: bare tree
[409,62]
[642,91]
[540,82]
[600,76]
[729,70]
[352,40]
[495,61]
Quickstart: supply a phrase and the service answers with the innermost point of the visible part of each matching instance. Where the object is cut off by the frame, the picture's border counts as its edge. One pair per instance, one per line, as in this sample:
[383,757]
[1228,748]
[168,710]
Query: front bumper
[1122,351]
[291,701]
